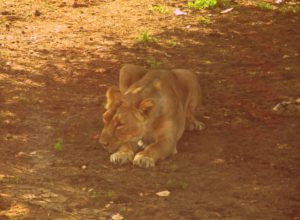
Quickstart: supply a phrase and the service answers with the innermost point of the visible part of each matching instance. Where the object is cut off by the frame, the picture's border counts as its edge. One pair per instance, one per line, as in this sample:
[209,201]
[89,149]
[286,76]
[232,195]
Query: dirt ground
[57,59]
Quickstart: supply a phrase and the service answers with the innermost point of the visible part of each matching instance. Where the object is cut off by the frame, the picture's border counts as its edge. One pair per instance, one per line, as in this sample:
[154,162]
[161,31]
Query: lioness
[149,112]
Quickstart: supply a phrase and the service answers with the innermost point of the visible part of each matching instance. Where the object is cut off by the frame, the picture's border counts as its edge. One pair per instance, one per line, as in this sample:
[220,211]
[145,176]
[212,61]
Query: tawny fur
[154,106]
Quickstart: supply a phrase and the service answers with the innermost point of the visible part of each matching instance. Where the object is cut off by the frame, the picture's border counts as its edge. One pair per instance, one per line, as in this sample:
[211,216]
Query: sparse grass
[95,195]
[175,184]
[265,6]
[296,9]
[225,3]
[23,99]
[204,20]
[288,9]
[15,180]
[109,195]
[153,63]
[146,37]
[202,4]
[58,145]
[159,8]
[172,42]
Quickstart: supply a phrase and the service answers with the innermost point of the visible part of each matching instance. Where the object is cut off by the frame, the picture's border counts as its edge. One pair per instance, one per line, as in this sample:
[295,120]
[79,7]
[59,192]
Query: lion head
[125,119]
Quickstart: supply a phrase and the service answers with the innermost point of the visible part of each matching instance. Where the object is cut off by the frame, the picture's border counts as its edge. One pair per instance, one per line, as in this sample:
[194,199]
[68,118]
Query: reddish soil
[56,61]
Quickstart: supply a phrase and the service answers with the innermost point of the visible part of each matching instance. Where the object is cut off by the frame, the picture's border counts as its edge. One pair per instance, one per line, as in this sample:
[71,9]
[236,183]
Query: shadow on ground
[243,166]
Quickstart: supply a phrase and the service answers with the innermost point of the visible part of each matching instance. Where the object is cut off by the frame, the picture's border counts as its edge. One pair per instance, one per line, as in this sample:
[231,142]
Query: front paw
[199,126]
[195,125]
[143,161]
[121,157]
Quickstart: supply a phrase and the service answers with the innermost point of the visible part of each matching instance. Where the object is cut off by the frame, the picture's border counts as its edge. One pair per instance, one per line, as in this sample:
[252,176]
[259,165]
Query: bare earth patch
[57,59]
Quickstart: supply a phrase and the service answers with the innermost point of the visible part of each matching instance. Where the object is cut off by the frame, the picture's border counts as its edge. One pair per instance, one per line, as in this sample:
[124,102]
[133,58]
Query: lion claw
[143,161]
[199,125]
[121,157]
[195,125]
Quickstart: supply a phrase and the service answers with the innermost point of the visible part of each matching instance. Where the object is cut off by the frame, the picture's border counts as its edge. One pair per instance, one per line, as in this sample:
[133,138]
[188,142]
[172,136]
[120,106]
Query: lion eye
[119,124]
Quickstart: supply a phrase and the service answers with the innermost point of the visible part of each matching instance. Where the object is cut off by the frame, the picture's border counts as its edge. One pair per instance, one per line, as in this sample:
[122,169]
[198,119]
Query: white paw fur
[121,157]
[143,161]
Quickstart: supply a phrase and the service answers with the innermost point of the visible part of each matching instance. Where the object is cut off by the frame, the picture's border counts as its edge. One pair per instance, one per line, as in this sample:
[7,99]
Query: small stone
[21,155]
[285,56]
[282,146]
[288,68]
[107,205]
[37,13]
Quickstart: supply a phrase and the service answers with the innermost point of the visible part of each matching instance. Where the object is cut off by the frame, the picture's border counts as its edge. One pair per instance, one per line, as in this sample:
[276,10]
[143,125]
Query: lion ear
[147,106]
[113,97]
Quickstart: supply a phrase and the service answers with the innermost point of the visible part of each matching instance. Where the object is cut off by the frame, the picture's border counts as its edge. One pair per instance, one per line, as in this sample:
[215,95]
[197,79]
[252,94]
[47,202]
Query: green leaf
[59,144]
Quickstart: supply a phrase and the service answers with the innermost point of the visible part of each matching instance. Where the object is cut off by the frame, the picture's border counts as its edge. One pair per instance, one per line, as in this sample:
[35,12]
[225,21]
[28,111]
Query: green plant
[16,180]
[153,63]
[146,37]
[296,9]
[172,42]
[288,9]
[265,5]
[202,4]
[159,8]
[225,3]
[204,20]
[183,185]
[23,99]
[95,195]
[59,144]
[110,195]
[175,184]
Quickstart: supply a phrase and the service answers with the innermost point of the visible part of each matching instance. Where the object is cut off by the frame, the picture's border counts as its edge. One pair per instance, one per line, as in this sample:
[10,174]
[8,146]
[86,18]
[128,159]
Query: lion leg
[154,152]
[194,108]
[192,124]
[165,145]
[123,156]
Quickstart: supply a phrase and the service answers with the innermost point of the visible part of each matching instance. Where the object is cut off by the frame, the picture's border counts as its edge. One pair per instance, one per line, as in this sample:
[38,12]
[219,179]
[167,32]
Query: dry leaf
[218,161]
[226,10]
[117,216]
[163,193]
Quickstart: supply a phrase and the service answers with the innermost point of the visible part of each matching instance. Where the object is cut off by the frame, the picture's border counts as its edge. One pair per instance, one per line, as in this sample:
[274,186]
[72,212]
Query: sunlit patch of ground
[57,59]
